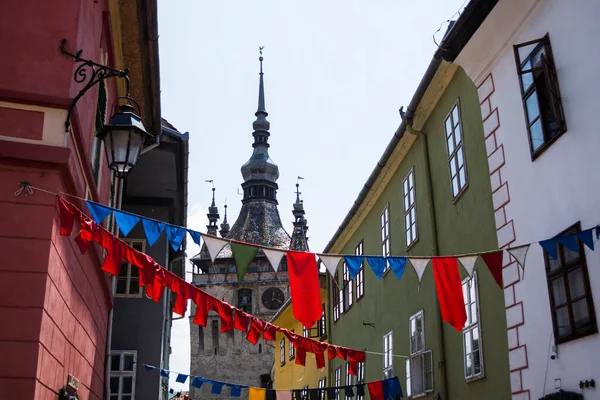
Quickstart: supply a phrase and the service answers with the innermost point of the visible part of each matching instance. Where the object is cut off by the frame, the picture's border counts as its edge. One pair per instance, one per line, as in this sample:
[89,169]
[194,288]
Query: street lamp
[124,137]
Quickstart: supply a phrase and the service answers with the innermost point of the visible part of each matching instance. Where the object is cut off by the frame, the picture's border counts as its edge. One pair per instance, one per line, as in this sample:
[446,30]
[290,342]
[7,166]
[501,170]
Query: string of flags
[386,389]
[303,270]
[156,278]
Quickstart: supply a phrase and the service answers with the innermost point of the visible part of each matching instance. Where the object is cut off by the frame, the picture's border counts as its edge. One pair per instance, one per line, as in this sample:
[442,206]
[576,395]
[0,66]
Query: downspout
[435,250]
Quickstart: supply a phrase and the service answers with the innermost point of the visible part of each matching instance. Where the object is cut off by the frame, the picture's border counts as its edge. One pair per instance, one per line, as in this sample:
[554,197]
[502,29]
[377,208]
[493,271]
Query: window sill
[459,195]
[545,146]
[410,246]
[475,378]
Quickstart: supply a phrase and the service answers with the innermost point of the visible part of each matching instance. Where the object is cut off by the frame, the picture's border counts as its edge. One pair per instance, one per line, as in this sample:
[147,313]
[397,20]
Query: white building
[543,142]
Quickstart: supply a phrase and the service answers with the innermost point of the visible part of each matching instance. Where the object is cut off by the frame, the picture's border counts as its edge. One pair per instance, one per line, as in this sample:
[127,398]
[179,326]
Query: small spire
[261,87]
[213,213]
[224,226]
[299,239]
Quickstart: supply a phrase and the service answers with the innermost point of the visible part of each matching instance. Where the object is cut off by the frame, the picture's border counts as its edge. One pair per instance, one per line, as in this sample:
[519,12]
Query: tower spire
[224,226]
[299,239]
[213,213]
[261,86]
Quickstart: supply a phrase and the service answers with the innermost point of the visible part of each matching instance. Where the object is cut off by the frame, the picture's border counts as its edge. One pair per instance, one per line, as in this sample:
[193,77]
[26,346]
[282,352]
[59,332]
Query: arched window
[245,300]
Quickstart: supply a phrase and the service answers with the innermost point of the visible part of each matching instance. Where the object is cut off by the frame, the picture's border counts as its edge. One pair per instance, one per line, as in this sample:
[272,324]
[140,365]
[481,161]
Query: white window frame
[456,151]
[472,325]
[360,278]
[338,382]
[282,352]
[122,373]
[291,349]
[322,324]
[348,288]
[418,357]
[384,220]
[360,377]
[337,312]
[409,202]
[129,267]
[321,385]
[348,378]
[388,355]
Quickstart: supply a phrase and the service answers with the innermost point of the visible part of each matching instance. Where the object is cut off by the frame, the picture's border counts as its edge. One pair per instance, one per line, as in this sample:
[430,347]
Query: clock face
[273,298]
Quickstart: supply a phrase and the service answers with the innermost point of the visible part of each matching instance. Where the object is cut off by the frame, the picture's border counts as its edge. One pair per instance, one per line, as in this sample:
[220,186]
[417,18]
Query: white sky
[336,73]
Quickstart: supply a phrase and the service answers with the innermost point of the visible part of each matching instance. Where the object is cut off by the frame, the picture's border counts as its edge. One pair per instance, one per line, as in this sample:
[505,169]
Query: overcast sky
[336,73]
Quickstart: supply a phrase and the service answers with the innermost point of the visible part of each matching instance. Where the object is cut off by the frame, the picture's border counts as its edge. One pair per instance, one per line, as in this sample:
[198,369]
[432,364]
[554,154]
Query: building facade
[229,356]
[286,373]
[431,197]
[538,111]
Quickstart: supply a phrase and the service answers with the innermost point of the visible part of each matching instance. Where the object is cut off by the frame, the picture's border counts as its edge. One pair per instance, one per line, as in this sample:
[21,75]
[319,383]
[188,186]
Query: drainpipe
[435,250]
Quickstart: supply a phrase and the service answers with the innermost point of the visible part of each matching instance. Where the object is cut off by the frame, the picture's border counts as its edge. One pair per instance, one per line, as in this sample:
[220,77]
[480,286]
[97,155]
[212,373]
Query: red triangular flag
[449,291]
[494,264]
[304,285]
[376,390]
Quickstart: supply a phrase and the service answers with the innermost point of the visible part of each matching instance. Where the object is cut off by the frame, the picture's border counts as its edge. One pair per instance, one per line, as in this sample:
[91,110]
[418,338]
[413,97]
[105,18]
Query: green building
[429,195]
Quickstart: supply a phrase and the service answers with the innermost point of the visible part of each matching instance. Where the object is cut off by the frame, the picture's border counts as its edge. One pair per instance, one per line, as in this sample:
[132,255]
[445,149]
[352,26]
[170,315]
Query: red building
[55,303]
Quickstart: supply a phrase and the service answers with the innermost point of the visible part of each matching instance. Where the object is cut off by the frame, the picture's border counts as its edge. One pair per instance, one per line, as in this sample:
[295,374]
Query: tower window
[245,300]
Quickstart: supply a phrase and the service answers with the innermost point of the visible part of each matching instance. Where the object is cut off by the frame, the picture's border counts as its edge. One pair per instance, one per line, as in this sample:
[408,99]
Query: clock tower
[229,356]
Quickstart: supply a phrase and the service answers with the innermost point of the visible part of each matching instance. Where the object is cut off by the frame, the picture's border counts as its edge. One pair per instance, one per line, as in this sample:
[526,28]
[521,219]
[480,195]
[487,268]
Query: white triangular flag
[468,262]
[419,265]
[331,262]
[214,245]
[520,253]
[274,257]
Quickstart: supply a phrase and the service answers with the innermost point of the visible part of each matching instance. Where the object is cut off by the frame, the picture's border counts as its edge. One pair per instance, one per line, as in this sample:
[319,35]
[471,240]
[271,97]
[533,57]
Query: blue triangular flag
[354,264]
[549,246]
[587,237]
[195,236]
[216,387]
[171,391]
[153,230]
[377,264]
[98,211]
[397,264]
[391,388]
[236,391]
[149,367]
[197,382]
[570,242]
[164,372]
[175,235]
[126,221]
[181,378]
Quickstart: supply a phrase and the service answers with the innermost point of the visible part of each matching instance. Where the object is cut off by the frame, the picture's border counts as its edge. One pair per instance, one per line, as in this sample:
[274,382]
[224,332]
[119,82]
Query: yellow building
[286,374]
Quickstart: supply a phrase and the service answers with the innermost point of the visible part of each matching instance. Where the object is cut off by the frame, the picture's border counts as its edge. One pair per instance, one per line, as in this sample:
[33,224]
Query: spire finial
[260,58]
[298,201]
[261,88]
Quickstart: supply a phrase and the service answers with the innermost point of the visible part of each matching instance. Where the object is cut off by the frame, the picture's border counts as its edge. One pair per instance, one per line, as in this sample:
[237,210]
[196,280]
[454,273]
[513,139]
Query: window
[305,393]
[292,349]
[456,155]
[419,367]
[215,334]
[122,374]
[128,281]
[96,143]
[282,352]
[571,302]
[544,114]
[360,377]
[360,278]
[385,231]
[245,300]
[338,382]
[388,358]
[322,383]
[472,349]
[335,298]
[410,211]
[348,289]
[305,332]
[348,378]
[321,325]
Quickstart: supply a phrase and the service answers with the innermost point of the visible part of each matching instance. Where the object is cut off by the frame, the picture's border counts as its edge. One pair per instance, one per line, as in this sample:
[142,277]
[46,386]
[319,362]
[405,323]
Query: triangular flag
[449,290]
[149,367]
[330,262]
[236,391]
[520,254]
[214,246]
[587,237]
[494,264]
[181,378]
[197,382]
[126,221]
[175,235]
[419,264]
[98,211]
[570,242]
[164,373]
[153,230]
[216,387]
[549,246]
[377,265]
[468,262]
[354,264]
[397,264]
[274,257]
[243,256]
[195,236]
[392,388]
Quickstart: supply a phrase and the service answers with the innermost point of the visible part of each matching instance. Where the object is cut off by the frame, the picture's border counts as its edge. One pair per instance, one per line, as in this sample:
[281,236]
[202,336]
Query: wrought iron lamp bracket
[91,72]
